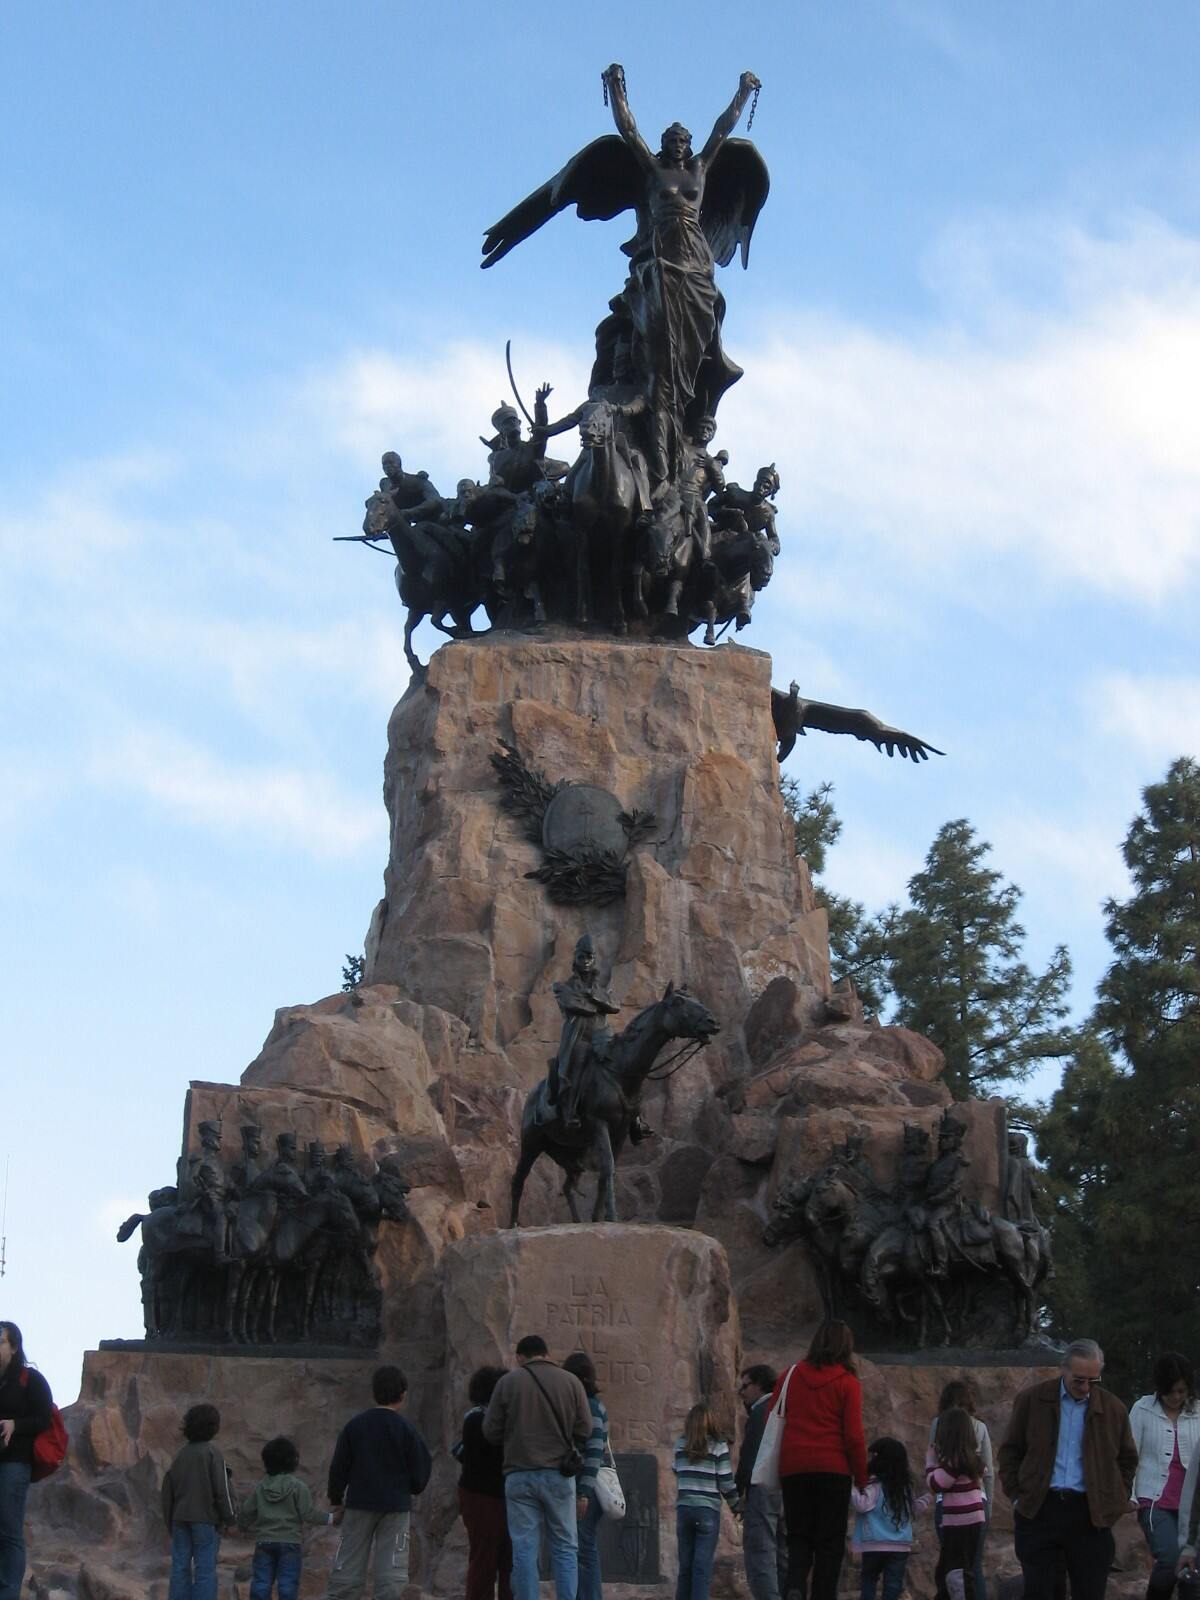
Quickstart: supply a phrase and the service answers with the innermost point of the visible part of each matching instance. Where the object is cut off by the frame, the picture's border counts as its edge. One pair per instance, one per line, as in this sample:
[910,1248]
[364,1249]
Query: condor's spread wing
[842,719]
[735,191]
[600,182]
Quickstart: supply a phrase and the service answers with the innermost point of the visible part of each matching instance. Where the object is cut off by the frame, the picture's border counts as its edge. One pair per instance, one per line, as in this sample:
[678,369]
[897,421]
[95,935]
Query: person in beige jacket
[540,1414]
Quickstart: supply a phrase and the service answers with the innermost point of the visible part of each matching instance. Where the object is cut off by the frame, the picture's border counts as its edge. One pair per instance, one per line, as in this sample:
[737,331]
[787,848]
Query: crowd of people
[1072,1462]
[535,1446]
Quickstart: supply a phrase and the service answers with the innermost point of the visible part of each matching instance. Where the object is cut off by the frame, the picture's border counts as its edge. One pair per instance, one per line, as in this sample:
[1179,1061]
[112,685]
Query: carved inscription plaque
[604,1323]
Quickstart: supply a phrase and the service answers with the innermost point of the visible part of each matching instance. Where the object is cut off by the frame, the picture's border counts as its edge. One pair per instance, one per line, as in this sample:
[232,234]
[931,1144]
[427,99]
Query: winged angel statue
[693,212]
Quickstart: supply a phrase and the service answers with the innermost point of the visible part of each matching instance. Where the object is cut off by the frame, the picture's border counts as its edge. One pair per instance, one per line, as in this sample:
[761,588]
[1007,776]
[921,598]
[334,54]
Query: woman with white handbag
[814,1440]
[589,1508]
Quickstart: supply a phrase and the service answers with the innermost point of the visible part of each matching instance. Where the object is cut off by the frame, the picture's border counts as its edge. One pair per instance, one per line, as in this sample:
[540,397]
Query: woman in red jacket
[821,1451]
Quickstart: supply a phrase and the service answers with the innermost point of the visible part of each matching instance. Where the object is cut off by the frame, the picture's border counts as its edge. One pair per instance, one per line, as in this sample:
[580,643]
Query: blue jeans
[1161,1529]
[980,1580]
[532,1500]
[275,1563]
[888,1565]
[697,1529]
[194,1547]
[14,1486]
[589,1556]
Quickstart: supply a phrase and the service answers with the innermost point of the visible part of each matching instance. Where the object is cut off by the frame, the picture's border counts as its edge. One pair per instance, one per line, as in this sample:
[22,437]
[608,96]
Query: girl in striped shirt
[954,1468]
[703,1475]
[587,1507]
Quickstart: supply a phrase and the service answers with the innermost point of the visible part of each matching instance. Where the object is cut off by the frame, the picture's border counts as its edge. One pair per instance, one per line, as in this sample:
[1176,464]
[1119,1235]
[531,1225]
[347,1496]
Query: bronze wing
[844,719]
[600,182]
[735,191]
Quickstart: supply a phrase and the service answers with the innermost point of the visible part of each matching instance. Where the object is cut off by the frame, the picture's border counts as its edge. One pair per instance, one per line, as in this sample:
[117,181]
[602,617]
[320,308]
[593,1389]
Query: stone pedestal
[652,1307]
[96,1526]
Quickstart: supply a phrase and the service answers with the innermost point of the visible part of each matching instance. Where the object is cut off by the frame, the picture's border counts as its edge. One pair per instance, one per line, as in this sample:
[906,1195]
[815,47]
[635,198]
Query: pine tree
[956,970]
[815,824]
[1128,1150]
[1077,1139]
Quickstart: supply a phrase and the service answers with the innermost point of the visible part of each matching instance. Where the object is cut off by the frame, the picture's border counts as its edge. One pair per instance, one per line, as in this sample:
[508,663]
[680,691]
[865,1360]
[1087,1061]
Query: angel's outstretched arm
[728,120]
[614,80]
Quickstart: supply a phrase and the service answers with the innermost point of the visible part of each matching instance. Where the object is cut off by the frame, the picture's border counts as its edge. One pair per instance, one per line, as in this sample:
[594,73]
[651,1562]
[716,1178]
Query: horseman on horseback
[586,1006]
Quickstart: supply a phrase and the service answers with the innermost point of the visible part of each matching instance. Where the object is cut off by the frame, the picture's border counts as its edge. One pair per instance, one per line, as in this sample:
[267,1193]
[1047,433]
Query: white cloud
[433,405]
[269,666]
[1075,863]
[78,524]
[1158,716]
[871,868]
[306,810]
[1063,440]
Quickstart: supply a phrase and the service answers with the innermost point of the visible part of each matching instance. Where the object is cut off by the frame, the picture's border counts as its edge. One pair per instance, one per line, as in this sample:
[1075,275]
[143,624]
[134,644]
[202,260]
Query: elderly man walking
[540,1414]
[764,1544]
[1067,1464]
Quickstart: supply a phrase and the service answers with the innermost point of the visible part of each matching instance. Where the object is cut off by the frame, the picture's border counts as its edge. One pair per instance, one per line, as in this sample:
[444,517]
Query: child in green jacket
[276,1513]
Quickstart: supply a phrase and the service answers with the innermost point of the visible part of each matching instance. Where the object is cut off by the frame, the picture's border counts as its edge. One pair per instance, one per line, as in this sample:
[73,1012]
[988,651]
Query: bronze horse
[605,500]
[609,1099]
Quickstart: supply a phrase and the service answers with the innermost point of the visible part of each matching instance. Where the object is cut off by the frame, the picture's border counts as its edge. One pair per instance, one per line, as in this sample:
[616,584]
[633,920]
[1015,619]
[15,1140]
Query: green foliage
[858,947]
[352,972]
[1075,1139]
[1124,1142]
[954,963]
[815,823]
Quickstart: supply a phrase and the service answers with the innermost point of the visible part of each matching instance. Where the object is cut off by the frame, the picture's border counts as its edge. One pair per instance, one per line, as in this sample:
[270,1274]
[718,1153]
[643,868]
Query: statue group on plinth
[266,1251]
[922,1249]
[642,528]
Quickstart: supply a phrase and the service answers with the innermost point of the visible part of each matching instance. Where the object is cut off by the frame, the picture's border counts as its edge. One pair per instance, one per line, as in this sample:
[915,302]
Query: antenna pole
[4,1221]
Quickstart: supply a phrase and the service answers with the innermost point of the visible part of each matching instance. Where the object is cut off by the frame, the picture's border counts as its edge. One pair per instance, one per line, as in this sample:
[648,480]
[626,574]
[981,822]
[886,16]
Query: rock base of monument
[98,1529]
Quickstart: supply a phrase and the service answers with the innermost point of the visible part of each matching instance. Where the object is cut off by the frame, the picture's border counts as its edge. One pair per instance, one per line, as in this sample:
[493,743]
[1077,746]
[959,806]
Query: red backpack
[49,1446]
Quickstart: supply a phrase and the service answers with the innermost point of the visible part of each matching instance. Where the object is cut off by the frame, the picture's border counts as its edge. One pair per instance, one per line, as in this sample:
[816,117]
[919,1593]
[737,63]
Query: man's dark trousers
[1063,1530]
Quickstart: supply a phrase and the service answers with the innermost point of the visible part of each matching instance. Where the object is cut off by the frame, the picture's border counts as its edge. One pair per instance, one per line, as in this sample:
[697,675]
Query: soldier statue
[206,1197]
[519,464]
[942,1202]
[318,1179]
[251,1164]
[282,1178]
[701,476]
[585,1006]
[1020,1192]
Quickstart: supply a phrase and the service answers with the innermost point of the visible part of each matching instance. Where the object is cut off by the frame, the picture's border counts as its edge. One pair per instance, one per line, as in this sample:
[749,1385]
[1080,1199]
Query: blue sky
[238,251]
